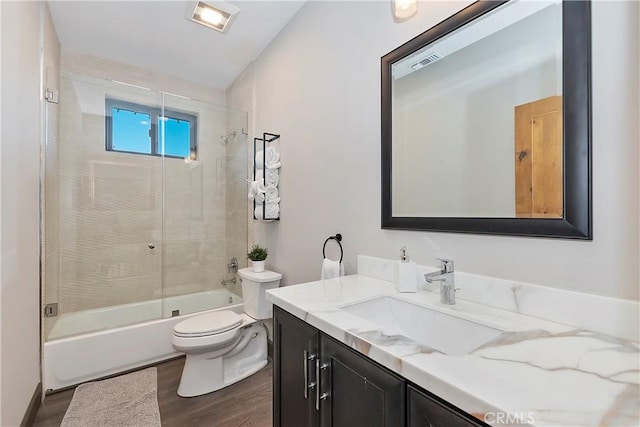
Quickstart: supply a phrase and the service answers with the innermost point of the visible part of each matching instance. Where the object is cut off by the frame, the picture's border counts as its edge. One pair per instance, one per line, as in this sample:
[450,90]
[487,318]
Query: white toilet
[224,347]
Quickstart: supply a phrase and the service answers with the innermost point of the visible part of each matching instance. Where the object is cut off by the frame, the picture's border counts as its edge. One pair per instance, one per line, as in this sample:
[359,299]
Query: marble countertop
[536,372]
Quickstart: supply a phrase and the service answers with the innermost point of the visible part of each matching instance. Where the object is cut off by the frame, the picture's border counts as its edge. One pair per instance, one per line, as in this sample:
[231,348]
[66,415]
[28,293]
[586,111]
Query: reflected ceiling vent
[433,57]
[496,20]
[216,15]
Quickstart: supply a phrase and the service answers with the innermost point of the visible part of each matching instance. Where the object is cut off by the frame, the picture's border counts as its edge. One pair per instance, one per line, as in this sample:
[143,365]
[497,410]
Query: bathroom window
[138,129]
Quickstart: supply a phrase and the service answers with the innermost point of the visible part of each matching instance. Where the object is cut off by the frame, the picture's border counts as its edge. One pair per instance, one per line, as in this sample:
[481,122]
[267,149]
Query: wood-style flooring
[245,403]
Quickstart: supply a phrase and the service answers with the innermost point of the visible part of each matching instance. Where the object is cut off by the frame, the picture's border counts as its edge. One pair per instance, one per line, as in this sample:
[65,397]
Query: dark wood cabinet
[358,391]
[295,351]
[423,410]
[320,382]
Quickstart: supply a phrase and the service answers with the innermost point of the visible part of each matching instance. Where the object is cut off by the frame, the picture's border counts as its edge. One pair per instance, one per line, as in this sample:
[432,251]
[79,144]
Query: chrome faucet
[446,279]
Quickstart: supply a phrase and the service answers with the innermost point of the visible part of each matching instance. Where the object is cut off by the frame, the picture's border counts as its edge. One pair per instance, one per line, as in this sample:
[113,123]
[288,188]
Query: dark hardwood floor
[245,403]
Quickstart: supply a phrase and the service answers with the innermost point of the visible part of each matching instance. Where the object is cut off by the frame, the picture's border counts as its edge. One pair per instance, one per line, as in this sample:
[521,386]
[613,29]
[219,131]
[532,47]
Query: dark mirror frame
[577,221]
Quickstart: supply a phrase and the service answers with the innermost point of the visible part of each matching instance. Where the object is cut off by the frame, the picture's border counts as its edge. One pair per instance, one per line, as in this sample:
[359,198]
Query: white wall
[318,84]
[19,207]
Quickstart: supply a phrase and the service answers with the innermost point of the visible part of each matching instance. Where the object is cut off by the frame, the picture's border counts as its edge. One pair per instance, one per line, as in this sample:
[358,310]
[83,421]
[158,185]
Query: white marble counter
[535,373]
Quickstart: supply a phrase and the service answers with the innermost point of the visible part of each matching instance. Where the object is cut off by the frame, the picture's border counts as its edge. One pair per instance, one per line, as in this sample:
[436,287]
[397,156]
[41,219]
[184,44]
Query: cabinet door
[425,411]
[356,391]
[294,353]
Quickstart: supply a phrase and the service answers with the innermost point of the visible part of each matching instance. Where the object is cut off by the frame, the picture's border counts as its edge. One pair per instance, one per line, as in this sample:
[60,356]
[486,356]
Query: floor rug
[128,400]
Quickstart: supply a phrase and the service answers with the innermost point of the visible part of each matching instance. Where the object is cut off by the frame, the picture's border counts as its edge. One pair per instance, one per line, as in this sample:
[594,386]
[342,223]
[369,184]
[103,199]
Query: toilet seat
[209,331]
[208,324]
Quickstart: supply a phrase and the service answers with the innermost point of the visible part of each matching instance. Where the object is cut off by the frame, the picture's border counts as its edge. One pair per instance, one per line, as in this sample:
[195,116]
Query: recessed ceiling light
[213,14]
[404,9]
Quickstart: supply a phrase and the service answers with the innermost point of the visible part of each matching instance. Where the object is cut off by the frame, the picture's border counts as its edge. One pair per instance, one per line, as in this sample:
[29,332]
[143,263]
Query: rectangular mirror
[486,123]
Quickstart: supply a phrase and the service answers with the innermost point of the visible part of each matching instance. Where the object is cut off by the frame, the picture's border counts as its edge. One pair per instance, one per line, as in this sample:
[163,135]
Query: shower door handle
[151,246]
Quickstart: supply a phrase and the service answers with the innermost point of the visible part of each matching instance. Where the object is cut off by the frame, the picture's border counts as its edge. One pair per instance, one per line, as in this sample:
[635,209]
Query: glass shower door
[205,204]
[103,208]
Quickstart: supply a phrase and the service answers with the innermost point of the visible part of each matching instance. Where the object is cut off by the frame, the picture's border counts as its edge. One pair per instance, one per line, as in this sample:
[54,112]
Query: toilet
[223,347]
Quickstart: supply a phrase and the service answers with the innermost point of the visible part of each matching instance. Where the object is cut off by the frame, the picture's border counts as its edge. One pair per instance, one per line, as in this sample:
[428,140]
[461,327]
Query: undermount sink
[448,334]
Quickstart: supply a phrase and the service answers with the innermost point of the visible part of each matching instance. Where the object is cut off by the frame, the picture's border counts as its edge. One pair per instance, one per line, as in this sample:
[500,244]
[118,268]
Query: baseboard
[32,410]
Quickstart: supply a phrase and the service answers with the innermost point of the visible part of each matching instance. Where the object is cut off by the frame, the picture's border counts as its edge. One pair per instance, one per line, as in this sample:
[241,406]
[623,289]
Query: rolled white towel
[272,210]
[257,212]
[272,177]
[331,269]
[271,192]
[259,159]
[275,165]
[260,198]
[272,156]
[256,188]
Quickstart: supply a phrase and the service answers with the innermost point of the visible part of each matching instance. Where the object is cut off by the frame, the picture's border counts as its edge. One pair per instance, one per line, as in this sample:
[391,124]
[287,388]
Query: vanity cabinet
[295,347]
[425,410]
[320,382]
[351,389]
[358,391]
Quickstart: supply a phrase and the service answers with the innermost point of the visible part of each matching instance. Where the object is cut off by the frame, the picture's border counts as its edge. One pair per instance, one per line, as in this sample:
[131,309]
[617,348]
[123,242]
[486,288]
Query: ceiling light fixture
[216,15]
[404,9]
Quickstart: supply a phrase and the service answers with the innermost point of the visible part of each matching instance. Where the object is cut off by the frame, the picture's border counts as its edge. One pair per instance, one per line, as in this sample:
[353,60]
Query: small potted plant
[257,255]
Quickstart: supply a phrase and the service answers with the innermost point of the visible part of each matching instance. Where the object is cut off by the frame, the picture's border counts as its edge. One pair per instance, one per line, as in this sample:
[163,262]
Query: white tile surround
[549,373]
[611,316]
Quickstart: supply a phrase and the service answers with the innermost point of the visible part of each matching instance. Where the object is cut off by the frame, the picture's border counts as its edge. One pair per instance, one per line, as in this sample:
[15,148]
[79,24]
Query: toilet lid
[208,324]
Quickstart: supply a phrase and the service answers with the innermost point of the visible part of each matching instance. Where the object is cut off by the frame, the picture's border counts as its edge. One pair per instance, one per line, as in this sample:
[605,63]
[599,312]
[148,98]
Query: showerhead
[226,138]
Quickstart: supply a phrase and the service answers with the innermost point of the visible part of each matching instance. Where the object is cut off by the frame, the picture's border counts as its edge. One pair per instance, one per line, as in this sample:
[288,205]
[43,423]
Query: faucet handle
[446,265]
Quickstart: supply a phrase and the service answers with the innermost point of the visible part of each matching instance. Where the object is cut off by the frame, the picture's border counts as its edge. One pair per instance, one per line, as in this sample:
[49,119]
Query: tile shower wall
[111,204]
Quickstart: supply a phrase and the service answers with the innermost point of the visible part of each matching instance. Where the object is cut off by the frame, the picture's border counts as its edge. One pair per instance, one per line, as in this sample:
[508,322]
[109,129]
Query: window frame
[155,114]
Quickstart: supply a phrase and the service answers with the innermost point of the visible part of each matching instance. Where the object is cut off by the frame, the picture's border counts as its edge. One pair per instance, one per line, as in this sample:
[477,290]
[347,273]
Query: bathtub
[90,344]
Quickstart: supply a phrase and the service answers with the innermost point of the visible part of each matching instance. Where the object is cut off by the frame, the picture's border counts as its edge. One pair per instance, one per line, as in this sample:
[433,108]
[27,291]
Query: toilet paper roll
[259,173]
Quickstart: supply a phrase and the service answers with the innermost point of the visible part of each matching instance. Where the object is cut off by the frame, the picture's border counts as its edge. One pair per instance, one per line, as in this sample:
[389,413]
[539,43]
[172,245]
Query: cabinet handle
[305,365]
[319,396]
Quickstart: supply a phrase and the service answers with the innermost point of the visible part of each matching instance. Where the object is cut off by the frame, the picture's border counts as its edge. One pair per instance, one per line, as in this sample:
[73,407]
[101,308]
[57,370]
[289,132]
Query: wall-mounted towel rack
[261,207]
[338,239]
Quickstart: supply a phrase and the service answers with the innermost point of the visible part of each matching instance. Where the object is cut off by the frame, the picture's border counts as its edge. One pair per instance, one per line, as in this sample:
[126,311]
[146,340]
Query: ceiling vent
[432,57]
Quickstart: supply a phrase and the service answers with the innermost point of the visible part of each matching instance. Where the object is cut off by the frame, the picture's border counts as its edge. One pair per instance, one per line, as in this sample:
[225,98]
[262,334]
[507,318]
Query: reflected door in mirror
[538,158]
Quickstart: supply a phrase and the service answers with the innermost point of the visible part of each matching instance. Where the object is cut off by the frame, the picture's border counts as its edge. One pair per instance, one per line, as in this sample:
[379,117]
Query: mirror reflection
[477,119]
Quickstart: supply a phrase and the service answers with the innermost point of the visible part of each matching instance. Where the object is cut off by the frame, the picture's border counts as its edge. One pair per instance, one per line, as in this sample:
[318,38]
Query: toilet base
[203,374]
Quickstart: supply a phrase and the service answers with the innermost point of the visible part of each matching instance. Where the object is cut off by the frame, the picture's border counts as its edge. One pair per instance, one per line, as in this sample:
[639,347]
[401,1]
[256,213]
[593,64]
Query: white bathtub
[96,343]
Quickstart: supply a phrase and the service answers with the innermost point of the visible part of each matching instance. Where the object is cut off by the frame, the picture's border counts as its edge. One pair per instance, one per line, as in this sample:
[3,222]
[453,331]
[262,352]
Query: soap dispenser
[406,273]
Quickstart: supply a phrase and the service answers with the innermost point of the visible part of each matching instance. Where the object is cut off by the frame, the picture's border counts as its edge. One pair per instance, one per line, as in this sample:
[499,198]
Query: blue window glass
[141,129]
[176,137]
[131,131]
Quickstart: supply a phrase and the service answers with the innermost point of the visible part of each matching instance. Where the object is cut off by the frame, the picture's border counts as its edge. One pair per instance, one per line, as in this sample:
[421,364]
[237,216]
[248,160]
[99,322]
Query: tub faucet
[446,279]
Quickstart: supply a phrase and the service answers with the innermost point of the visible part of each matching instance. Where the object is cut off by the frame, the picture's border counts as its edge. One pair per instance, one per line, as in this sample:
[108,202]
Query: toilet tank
[254,286]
